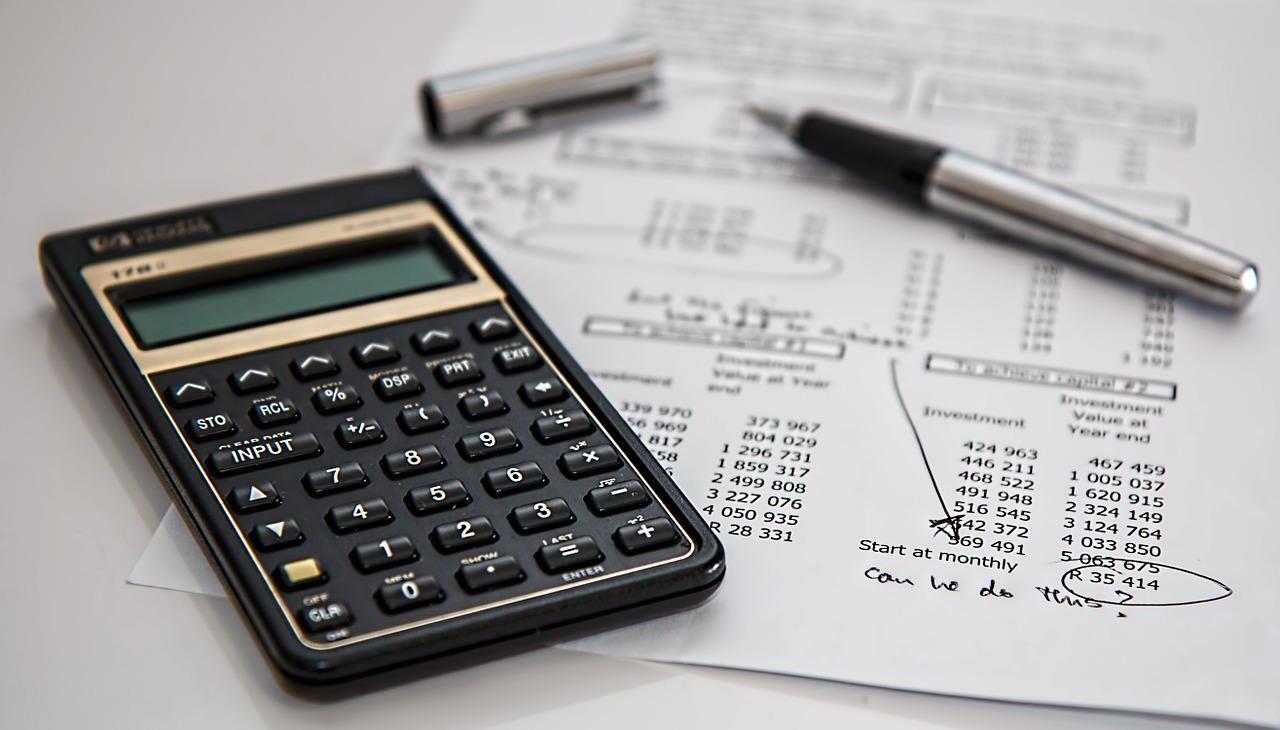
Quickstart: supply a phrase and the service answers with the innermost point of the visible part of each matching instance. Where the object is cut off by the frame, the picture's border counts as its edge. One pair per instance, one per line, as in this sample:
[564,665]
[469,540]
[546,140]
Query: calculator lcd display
[306,288]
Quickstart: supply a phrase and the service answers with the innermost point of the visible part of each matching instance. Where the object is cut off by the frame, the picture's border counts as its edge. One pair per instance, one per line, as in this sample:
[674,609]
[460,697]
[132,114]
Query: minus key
[614,498]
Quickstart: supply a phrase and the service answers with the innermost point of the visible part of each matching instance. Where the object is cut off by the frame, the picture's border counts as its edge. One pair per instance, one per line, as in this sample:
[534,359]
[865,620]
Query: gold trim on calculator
[103,277]
[338,230]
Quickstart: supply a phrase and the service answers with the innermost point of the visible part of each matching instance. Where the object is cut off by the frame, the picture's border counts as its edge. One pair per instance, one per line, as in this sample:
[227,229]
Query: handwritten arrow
[949,524]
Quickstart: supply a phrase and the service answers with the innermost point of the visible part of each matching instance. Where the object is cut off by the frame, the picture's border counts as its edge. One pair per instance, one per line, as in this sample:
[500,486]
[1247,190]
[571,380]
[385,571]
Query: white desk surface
[112,109]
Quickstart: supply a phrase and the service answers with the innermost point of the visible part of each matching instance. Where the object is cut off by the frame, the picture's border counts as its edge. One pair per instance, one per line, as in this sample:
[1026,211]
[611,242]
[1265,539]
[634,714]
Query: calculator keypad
[397,474]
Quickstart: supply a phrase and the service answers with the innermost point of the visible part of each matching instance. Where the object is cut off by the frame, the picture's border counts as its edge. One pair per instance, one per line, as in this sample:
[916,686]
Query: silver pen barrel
[1056,218]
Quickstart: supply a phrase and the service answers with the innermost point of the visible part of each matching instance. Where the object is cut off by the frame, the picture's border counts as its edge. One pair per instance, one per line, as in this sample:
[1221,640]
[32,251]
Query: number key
[421,591]
[515,478]
[384,554]
[463,534]
[476,446]
[359,516]
[541,516]
[401,464]
[437,497]
[320,482]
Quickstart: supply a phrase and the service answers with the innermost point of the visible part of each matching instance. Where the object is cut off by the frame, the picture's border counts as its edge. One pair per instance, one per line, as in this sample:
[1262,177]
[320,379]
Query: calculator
[386,454]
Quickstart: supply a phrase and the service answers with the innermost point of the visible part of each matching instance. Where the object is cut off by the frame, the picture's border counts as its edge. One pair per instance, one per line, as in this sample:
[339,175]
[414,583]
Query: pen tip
[771,116]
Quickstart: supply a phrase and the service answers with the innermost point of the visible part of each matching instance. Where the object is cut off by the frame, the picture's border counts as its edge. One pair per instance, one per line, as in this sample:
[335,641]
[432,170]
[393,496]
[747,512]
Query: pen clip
[535,92]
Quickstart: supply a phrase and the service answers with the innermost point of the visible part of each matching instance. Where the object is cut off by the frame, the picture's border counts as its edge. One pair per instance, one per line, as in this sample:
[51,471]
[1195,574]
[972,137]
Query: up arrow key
[492,328]
[433,341]
[252,380]
[374,353]
[190,393]
[253,497]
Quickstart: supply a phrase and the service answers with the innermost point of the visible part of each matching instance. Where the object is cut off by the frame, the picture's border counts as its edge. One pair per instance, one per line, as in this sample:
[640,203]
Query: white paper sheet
[938,462]
[172,560]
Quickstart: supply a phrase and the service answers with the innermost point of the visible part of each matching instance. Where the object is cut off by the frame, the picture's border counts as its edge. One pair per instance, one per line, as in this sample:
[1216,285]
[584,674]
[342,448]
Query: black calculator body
[387,454]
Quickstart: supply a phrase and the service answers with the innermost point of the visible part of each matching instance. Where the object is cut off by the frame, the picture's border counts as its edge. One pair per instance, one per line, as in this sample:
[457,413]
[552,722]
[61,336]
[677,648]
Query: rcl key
[274,412]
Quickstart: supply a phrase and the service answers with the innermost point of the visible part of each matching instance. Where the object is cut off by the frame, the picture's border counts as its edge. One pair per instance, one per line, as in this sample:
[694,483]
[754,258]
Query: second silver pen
[1022,207]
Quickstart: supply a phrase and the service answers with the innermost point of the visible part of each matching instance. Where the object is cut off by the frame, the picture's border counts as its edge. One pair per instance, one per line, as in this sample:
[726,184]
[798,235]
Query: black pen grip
[896,163]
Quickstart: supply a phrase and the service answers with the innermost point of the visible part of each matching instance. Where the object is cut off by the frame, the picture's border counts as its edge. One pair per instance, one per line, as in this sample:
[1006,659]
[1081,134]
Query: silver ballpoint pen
[1021,207]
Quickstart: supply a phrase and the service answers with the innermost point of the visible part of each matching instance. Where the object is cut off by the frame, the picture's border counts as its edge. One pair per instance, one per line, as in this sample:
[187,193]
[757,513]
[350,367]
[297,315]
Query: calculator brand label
[155,234]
